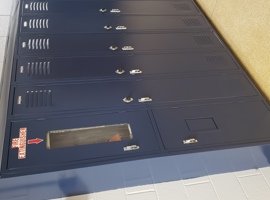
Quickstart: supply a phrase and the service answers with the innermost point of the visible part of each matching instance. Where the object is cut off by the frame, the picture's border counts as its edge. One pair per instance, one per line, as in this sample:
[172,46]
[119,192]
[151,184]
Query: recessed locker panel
[115,43]
[213,125]
[121,66]
[113,94]
[109,7]
[69,139]
[109,24]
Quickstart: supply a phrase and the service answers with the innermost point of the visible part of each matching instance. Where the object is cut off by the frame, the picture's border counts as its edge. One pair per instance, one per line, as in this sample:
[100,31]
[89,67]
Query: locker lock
[103,10]
[128,99]
[113,48]
[190,141]
[120,71]
[107,27]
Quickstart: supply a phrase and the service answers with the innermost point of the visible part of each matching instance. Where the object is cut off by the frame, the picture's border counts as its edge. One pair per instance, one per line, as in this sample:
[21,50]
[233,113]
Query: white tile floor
[197,177]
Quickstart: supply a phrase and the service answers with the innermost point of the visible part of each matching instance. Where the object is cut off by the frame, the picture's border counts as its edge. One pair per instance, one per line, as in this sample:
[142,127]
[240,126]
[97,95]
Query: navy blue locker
[213,126]
[114,43]
[109,7]
[121,66]
[65,140]
[116,94]
[109,24]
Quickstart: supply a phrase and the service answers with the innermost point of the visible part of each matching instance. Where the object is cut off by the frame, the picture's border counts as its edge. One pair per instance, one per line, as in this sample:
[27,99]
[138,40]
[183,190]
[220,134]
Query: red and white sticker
[20,143]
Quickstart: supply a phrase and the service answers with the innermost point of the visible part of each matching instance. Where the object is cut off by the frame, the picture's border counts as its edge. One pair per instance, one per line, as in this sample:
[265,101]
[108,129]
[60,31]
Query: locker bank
[98,82]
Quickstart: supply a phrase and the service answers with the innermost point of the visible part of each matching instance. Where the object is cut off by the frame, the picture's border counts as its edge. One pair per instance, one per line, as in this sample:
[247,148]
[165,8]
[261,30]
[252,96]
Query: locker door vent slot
[39,44]
[38,68]
[37,6]
[203,40]
[192,22]
[38,98]
[182,7]
[88,136]
[215,59]
[38,23]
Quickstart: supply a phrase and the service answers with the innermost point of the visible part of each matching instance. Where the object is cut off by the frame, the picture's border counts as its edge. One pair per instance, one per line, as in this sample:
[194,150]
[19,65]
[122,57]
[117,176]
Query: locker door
[116,43]
[109,7]
[124,94]
[67,140]
[213,126]
[109,24]
[121,66]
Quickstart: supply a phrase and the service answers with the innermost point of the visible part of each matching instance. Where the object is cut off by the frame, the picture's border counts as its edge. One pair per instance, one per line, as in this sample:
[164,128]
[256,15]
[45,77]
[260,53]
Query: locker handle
[121,28]
[128,99]
[115,10]
[135,71]
[113,48]
[190,141]
[127,48]
[131,148]
[145,99]
[120,71]
[107,27]
[103,10]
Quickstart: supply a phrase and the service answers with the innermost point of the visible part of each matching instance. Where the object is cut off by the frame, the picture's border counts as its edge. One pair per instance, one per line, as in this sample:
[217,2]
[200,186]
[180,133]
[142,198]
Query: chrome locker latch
[113,48]
[108,27]
[21,69]
[190,141]
[135,71]
[127,48]
[145,99]
[121,28]
[131,148]
[128,99]
[120,71]
[19,100]
[24,45]
[25,24]
[115,10]
[102,10]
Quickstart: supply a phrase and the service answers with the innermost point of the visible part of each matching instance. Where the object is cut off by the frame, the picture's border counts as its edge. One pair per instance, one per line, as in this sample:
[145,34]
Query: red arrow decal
[35,141]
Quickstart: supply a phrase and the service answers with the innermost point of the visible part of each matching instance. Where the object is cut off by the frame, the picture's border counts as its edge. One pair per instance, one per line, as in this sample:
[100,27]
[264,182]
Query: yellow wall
[245,25]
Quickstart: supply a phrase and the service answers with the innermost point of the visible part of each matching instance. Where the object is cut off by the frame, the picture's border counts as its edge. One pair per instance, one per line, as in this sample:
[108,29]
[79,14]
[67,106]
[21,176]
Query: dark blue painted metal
[71,76]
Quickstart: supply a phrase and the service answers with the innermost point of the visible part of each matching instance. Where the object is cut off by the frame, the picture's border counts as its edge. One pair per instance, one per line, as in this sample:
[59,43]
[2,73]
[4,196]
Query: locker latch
[131,148]
[103,10]
[127,48]
[21,69]
[135,71]
[115,10]
[121,28]
[190,141]
[145,99]
[113,48]
[107,27]
[120,71]
[19,100]
[128,99]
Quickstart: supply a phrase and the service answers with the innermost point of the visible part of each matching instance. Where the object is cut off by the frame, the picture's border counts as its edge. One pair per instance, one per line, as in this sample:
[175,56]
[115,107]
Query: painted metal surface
[175,88]
[108,24]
